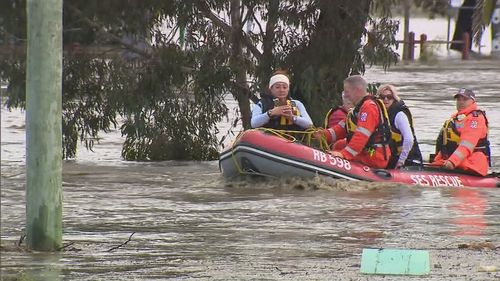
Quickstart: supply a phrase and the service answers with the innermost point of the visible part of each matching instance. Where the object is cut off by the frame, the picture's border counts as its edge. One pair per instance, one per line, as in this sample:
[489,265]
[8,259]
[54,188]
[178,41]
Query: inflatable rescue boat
[256,152]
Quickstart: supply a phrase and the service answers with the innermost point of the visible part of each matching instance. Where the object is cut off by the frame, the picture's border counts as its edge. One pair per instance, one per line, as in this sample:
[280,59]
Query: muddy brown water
[186,222]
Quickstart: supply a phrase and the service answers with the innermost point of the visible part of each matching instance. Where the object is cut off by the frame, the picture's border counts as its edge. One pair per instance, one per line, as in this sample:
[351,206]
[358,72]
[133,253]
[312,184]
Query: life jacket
[279,123]
[449,138]
[381,136]
[397,137]
[331,111]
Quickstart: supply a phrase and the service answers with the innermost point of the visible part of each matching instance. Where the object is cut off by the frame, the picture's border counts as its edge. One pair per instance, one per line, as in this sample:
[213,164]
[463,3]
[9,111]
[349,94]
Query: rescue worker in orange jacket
[366,128]
[463,141]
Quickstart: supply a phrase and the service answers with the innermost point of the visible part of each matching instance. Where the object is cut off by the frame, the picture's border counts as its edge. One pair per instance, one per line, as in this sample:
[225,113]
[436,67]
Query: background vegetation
[162,70]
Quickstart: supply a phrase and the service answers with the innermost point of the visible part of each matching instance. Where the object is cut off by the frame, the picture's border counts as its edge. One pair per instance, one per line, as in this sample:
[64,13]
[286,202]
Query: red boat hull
[256,152]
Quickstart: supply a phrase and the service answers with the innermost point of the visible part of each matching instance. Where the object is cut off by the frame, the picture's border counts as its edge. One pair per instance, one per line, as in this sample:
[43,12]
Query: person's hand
[448,165]
[337,154]
[400,165]
[319,134]
[279,111]
[286,111]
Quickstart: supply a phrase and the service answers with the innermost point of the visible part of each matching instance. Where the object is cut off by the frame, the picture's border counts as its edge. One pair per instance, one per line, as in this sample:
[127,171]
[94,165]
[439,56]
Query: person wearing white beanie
[276,110]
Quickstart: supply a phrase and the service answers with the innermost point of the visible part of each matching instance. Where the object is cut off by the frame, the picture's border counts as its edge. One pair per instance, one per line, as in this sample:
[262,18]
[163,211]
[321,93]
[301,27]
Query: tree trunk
[406,29]
[265,67]
[320,67]
[242,92]
[463,24]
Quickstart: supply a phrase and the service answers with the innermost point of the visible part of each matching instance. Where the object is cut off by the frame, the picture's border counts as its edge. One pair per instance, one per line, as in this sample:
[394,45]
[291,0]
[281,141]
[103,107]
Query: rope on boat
[306,137]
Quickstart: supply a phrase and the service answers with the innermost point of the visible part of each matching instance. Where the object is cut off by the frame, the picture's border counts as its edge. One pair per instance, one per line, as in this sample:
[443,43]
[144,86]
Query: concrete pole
[495,31]
[44,125]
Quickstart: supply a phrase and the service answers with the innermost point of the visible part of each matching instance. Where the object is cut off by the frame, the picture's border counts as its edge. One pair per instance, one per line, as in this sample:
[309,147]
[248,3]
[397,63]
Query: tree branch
[114,37]
[258,23]
[65,246]
[21,239]
[122,244]
[205,10]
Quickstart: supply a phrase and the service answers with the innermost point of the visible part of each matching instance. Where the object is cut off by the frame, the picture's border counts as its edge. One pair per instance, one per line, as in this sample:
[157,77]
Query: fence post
[465,45]
[411,46]
[423,44]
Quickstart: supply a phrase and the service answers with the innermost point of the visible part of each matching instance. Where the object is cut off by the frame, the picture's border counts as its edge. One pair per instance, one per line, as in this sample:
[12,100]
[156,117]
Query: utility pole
[44,125]
[495,31]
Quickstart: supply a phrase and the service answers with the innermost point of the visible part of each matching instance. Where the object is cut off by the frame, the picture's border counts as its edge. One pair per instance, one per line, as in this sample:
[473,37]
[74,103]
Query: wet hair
[391,88]
[357,81]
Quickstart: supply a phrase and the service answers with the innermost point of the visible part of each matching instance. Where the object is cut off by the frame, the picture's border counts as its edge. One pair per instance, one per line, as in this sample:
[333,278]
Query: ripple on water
[190,223]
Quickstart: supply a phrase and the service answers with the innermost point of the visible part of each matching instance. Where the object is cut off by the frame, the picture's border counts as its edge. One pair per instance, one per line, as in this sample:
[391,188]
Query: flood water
[185,221]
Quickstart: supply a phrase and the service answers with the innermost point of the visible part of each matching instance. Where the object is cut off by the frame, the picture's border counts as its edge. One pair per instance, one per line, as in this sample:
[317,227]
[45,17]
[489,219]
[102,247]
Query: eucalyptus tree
[319,42]
[483,16]
[162,69]
[122,61]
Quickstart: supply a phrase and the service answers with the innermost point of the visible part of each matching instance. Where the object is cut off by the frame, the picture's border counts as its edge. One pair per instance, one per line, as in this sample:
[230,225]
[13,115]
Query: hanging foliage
[161,70]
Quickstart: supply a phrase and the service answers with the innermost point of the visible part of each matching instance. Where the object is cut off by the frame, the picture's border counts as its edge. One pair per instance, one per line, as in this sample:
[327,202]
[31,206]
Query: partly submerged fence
[411,43]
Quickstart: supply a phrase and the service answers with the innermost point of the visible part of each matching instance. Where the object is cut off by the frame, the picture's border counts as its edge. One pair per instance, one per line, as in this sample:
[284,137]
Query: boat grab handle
[382,173]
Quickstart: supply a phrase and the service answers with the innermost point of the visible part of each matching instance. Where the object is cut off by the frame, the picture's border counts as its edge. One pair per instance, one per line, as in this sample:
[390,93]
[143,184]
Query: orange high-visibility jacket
[363,122]
[471,128]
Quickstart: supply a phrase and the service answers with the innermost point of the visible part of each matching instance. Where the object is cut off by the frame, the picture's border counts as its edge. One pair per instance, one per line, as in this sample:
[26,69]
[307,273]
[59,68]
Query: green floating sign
[395,261]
